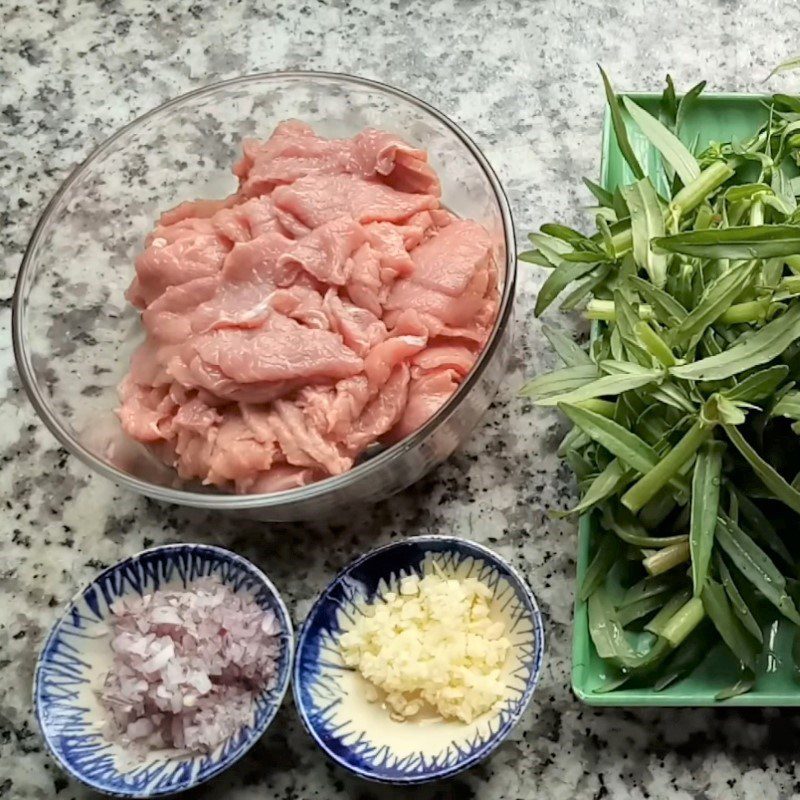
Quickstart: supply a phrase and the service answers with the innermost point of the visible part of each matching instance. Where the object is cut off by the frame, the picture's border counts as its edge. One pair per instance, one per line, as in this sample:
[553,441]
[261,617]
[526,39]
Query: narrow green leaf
[608,549]
[608,238]
[620,206]
[628,528]
[641,608]
[558,280]
[756,566]
[534,257]
[761,529]
[626,446]
[737,639]
[705,503]
[716,299]
[685,104]
[667,309]
[560,381]
[787,101]
[607,483]
[668,107]
[759,385]
[738,603]
[766,473]
[619,128]
[669,145]
[551,248]
[571,353]
[791,63]
[757,241]
[607,386]
[672,395]
[584,257]
[684,660]
[603,197]
[781,185]
[746,191]
[745,683]
[563,232]
[610,641]
[787,406]
[585,288]
[647,223]
[759,348]
[648,587]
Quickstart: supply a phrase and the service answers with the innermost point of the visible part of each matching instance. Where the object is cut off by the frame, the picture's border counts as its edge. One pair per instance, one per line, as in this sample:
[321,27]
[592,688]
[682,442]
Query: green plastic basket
[714,117]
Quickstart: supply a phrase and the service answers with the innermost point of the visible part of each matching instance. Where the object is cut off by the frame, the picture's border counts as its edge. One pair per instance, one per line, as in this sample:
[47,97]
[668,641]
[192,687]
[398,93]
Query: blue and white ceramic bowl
[361,735]
[77,653]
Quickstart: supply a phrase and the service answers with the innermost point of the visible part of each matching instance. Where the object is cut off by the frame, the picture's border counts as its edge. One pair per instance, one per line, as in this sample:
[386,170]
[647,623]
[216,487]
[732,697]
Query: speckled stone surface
[520,77]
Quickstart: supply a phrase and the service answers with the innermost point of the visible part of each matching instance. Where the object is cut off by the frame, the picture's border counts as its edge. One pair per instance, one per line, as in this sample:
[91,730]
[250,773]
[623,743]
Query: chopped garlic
[433,641]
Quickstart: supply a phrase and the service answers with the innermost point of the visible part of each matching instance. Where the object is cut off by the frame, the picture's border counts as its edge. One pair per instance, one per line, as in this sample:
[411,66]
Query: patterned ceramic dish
[76,653]
[360,735]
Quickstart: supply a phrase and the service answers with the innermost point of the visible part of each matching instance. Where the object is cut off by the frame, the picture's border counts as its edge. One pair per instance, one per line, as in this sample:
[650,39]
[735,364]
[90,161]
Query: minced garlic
[431,642]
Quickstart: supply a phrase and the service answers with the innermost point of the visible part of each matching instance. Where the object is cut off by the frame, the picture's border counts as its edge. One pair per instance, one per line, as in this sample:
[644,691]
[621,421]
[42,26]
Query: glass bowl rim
[229,501]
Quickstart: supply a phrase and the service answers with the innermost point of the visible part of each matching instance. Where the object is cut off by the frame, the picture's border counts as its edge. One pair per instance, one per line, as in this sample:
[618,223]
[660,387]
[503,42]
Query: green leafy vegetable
[647,223]
[670,146]
[619,128]
[705,503]
[685,404]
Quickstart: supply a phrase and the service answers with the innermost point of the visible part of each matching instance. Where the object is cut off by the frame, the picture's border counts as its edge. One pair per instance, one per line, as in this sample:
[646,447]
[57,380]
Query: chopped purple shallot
[188,666]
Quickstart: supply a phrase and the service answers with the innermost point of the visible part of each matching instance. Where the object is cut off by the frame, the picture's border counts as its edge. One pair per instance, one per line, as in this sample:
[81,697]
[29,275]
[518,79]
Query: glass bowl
[74,332]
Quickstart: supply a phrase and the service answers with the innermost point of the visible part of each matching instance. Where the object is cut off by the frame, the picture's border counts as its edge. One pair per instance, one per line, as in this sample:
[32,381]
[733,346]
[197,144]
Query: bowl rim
[228,501]
[258,733]
[496,740]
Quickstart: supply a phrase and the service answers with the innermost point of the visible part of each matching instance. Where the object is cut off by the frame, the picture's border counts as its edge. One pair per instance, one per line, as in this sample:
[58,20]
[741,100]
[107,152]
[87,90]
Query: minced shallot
[188,665]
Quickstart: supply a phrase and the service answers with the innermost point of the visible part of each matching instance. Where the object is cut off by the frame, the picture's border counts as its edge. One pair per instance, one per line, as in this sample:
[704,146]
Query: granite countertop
[520,77]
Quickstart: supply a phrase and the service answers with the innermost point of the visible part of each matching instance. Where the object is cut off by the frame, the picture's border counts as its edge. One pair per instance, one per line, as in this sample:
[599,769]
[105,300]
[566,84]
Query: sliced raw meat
[325,252]
[329,305]
[302,444]
[448,261]
[426,396]
[277,355]
[384,357]
[163,265]
[316,199]
[439,356]
[359,328]
[281,478]
[382,413]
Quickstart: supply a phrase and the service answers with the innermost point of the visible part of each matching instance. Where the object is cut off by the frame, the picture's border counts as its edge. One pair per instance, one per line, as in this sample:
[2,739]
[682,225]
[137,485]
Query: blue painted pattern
[323,686]
[69,667]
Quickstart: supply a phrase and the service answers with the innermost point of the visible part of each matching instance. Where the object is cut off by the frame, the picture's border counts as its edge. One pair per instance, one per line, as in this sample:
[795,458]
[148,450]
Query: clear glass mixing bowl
[74,332]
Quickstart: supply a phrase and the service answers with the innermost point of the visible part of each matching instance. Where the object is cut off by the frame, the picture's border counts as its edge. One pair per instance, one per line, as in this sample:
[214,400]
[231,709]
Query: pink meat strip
[329,304]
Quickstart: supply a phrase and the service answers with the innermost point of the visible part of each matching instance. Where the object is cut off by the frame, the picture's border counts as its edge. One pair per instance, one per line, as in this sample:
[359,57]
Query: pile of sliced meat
[330,304]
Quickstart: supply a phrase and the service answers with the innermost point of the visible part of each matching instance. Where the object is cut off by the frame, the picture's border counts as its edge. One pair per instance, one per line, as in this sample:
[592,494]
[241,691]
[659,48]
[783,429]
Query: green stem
[654,344]
[692,195]
[667,558]
[757,213]
[668,611]
[622,242]
[666,469]
[604,407]
[684,622]
[605,310]
[751,311]
[600,309]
